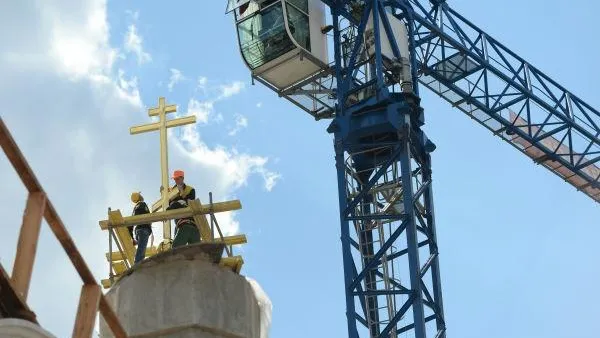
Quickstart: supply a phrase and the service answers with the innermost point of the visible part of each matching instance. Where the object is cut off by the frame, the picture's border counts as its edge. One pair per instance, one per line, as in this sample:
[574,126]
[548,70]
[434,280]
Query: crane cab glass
[281,40]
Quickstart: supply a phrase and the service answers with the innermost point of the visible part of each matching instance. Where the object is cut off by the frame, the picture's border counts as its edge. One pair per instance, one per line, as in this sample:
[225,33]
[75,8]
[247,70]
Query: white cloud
[202,110]
[80,133]
[176,77]
[76,48]
[241,122]
[258,105]
[81,145]
[202,81]
[215,92]
[231,89]
[133,44]
[135,15]
[223,170]
[270,178]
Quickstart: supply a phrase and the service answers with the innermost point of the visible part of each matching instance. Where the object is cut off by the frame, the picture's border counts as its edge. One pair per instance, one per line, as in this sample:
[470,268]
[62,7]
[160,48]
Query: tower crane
[384,52]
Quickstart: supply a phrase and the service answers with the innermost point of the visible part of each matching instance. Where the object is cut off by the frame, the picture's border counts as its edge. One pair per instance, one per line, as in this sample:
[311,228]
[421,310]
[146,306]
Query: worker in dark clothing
[142,231]
[186,231]
[184,192]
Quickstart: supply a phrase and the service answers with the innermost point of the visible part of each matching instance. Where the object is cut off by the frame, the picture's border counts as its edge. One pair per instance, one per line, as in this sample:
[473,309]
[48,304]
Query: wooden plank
[123,236]
[117,256]
[201,221]
[238,267]
[28,240]
[115,217]
[126,241]
[11,304]
[156,206]
[26,175]
[87,311]
[111,319]
[19,163]
[170,214]
[200,218]
[233,240]
[234,263]
[106,283]
[119,267]
[15,157]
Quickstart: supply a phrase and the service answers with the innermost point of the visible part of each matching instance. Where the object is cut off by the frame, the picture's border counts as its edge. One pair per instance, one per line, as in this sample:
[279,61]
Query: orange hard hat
[178,173]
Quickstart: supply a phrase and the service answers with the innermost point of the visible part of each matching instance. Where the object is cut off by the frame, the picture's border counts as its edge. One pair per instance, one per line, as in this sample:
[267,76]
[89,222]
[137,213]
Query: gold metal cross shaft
[161,111]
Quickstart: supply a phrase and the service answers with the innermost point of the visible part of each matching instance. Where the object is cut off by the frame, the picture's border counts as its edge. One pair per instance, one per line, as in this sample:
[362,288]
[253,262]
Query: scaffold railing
[122,261]
[14,289]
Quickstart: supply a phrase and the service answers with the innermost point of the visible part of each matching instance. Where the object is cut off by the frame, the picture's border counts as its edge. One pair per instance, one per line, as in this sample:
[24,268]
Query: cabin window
[297,13]
[299,4]
[263,36]
[246,10]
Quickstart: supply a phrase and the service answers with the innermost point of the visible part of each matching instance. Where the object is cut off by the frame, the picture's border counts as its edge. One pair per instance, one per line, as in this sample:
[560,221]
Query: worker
[186,231]
[184,192]
[142,231]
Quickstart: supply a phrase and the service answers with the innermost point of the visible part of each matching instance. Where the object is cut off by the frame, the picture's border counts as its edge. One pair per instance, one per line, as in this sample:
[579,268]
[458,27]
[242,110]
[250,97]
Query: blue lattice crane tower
[368,86]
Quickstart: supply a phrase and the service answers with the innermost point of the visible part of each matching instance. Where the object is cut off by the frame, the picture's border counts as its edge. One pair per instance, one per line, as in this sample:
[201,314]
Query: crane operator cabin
[284,42]
[281,41]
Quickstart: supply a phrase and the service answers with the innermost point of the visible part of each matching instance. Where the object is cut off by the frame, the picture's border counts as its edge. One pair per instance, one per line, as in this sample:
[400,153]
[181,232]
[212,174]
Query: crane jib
[506,94]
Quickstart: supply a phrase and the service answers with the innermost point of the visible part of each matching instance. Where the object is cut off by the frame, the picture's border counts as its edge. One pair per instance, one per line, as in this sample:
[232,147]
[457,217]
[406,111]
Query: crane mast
[382,52]
[383,167]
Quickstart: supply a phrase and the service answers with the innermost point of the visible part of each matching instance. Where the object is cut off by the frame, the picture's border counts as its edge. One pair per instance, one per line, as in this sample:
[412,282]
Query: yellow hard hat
[135,197]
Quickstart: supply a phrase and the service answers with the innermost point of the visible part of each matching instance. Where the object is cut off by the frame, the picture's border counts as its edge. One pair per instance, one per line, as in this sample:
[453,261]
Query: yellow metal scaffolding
[121,260]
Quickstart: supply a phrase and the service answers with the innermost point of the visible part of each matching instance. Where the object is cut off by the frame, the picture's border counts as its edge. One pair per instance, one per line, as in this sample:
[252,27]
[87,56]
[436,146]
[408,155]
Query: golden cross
[161,111]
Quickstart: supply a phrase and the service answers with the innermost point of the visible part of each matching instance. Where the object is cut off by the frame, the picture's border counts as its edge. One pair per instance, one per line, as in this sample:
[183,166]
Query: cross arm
[144,128]
[168,109]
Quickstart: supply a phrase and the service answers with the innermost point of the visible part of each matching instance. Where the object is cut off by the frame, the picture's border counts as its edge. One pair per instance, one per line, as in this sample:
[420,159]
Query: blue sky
[517,244]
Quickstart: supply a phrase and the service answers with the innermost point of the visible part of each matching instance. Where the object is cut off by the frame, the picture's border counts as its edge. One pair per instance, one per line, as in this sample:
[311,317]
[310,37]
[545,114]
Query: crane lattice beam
[491,84]
[507,95]
[504,93]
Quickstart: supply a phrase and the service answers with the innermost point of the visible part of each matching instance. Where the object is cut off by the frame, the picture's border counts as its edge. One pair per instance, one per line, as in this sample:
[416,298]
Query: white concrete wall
[184,296]
[19,328]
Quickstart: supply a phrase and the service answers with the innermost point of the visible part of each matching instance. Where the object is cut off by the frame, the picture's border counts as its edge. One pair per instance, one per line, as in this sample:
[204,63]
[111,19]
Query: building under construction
[213,299]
